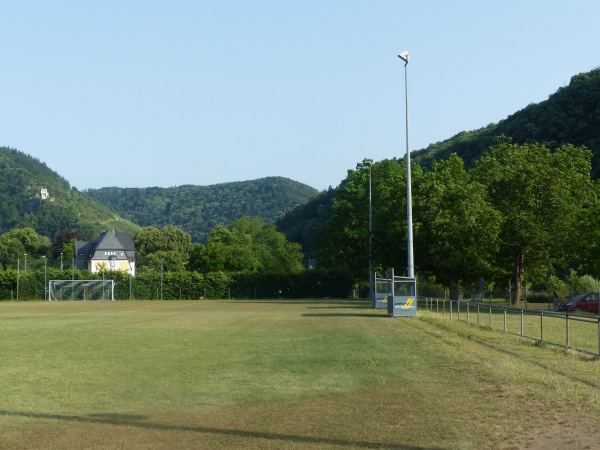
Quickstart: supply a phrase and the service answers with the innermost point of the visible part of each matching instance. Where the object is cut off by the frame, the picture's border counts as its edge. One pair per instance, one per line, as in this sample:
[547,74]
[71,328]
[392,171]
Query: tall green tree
[344,241]
[585,255]
[247,245]
[301,223]
[14,244]
[276,253]
[458,228]
[390,230]
[168,248]
[539,192]
[228,249]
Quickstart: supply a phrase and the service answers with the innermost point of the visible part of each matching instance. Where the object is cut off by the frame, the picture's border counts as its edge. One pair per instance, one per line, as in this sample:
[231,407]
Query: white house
[111,251]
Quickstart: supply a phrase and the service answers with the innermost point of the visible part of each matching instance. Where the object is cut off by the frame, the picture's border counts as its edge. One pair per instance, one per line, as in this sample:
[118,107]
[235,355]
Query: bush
[583,283]
[539,297]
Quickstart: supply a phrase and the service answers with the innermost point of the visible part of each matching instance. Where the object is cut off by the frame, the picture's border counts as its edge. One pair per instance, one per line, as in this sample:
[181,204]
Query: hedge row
[32,285]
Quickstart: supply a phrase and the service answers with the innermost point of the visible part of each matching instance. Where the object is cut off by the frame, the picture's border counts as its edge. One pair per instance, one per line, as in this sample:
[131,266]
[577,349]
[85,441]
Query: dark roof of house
[108,240]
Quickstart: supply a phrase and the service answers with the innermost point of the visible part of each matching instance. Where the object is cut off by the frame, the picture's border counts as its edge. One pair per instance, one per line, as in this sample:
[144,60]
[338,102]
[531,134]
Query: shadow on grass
[344,315]
[349,306]
[322,303]
[137,421]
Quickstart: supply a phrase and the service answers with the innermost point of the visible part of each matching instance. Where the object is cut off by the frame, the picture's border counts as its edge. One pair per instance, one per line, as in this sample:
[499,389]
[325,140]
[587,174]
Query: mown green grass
[297,374]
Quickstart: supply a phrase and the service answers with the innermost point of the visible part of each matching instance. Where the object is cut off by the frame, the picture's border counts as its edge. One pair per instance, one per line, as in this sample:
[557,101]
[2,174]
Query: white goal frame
[81,290]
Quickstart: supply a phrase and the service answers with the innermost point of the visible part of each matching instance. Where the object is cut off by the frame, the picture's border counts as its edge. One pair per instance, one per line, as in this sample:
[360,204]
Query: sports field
[281,374]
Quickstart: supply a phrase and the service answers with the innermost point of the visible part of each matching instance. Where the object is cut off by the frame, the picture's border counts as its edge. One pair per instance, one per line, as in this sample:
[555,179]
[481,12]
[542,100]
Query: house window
[112,265]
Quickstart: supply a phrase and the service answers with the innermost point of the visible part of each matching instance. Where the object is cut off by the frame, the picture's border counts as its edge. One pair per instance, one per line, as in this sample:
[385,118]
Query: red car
[582,302]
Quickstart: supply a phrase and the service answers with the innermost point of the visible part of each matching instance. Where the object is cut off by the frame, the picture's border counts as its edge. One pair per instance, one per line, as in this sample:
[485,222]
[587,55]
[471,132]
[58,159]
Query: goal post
[81,290]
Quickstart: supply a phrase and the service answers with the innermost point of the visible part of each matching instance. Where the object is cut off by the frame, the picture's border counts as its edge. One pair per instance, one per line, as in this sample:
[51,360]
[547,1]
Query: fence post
[451,309]
[521,322]
[490,308]
[567,330]
[542,325]
[468,311]
[477,313]
[505,319]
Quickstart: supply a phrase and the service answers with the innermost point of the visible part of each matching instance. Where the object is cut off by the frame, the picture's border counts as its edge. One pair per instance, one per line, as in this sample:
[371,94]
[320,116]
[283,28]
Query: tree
[539,193]
[228,249]
[301,223]
[344,241]
[585,255]
[276,253]
[247,245]
[14,244]
[168,248]
[390,229]
[64,243]
[457,233]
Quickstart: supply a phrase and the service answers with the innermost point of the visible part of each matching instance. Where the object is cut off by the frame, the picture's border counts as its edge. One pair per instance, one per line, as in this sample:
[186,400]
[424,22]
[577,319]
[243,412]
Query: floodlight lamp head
[404,56]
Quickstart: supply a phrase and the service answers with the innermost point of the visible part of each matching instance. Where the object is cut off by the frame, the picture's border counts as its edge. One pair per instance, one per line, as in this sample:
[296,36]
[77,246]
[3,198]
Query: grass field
[281,374]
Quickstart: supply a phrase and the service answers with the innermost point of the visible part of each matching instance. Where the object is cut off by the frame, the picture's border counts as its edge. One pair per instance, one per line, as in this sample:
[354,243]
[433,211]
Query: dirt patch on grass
[566,436]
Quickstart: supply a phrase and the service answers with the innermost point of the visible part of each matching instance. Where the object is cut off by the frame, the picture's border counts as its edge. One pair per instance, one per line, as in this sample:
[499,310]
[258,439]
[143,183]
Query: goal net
[81,290]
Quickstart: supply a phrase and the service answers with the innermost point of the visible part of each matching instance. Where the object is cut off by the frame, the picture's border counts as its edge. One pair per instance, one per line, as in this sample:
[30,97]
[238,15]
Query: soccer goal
[81,290]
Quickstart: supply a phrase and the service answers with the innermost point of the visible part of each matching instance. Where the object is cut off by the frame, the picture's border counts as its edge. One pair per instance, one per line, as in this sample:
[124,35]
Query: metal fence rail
[579,332]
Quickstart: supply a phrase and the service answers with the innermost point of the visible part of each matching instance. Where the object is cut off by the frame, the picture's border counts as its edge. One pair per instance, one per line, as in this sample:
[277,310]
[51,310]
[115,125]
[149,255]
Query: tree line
[246,245]
[522,214]
[245,259]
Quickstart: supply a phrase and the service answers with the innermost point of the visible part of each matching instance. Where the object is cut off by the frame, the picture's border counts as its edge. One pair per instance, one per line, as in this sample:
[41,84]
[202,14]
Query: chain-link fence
[576,331]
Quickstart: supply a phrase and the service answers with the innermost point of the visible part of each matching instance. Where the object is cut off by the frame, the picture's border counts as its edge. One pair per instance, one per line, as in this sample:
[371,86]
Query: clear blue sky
[164,93]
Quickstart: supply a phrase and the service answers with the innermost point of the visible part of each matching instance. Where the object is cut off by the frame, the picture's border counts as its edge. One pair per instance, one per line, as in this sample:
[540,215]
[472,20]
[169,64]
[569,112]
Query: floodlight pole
[371,293]
[45,276]
[405,56]
[18,275]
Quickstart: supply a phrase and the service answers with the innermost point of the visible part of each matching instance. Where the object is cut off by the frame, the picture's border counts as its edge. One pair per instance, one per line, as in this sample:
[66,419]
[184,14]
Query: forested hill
[33,195]
[198,209]
[570,116]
